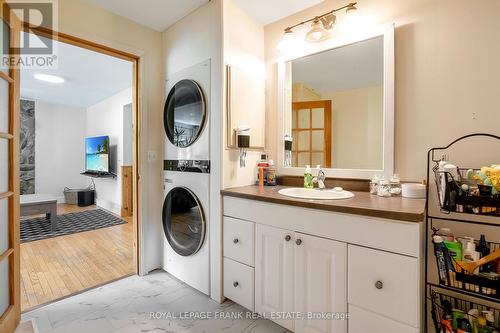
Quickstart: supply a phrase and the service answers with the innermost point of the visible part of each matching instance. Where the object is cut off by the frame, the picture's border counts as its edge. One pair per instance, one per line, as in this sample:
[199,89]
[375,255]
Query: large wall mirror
[338,109]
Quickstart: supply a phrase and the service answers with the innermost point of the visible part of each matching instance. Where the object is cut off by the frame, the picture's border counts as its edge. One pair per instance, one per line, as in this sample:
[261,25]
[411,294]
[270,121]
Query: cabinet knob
[236,241]
[235,284]
[379,285]
[288,237]
[298,241]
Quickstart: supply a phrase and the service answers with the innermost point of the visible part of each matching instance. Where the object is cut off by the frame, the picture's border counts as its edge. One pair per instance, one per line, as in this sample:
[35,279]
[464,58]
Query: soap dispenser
[308,178]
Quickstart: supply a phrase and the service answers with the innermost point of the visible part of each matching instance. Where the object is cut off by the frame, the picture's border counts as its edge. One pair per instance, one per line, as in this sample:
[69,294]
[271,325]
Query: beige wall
[81,19]
[190,41]
[243,48]
[302,93]
[446,69]
[357,128]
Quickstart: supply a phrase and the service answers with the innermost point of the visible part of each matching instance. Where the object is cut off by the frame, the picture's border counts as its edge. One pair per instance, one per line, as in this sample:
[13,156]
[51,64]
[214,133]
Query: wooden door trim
[12,316]
[327,106]
[136,110]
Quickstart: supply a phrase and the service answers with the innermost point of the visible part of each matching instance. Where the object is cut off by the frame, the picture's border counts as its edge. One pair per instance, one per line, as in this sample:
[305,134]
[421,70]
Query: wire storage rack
[457,196]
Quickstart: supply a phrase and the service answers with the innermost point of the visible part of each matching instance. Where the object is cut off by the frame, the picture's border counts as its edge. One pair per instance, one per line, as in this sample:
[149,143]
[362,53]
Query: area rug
[72,223]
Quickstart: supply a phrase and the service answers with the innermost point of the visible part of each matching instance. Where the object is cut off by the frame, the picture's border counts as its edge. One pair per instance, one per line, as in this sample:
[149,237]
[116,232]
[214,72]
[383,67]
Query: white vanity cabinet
[320,284]
[291,269]
[274,273]
[341,272]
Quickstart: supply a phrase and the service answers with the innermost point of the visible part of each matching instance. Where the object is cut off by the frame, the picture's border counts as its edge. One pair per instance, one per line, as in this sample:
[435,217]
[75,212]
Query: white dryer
[185,222]
[186,114]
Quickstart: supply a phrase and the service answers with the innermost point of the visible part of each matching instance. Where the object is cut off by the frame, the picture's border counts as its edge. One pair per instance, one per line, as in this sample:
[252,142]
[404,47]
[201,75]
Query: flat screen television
[97,154]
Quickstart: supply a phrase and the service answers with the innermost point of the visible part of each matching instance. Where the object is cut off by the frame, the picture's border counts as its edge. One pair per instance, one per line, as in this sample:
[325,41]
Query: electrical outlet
[152,156]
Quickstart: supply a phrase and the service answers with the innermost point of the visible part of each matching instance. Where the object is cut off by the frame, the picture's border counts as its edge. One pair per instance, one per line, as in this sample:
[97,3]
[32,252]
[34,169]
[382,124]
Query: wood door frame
[327,128]
[12,316]
[136,111]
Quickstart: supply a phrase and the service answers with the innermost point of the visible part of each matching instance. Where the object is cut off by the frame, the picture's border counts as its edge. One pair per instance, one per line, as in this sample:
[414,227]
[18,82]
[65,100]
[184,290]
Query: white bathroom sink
[317,194]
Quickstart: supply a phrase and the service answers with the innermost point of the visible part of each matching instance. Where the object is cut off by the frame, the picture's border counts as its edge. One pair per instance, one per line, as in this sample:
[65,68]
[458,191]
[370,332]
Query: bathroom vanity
[325,265]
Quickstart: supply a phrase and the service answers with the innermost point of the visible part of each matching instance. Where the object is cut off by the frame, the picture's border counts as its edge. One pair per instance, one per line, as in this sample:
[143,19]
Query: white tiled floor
[125,306]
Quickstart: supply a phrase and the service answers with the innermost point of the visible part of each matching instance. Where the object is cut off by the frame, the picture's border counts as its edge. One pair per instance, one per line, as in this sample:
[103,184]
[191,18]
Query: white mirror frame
[388,128]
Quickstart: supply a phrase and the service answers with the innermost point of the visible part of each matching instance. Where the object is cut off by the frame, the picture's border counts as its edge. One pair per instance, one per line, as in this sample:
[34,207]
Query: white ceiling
[156,14]
[268,11]
[90,77]
[345,68]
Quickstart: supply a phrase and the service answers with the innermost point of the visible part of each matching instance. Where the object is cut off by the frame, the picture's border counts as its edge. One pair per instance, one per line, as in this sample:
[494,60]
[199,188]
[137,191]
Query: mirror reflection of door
[311,131]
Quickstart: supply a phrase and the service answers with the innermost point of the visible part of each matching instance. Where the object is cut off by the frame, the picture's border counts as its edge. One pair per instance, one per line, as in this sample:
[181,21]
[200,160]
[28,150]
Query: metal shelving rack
[460,295]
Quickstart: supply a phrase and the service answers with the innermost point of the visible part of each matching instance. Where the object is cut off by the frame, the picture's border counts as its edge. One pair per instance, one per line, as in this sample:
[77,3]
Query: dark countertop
[363,203]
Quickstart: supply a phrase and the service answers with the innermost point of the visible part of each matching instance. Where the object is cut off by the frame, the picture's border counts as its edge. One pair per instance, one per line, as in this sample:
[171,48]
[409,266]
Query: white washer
[185,224]
[186,114]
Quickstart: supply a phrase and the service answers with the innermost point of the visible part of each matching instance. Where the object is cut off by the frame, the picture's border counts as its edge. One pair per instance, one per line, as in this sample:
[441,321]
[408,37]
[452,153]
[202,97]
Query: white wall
[106,118]
[101,26]
[445,71]
[59,148]
[192,40]
[244,49]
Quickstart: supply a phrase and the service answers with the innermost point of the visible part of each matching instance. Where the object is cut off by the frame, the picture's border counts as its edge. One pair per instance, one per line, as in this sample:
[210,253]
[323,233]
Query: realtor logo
[37,48]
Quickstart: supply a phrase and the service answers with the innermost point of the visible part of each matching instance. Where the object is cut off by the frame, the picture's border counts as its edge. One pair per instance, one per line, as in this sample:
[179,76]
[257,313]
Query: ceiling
[156,14]
[90,77]
[268,11]
[345,68]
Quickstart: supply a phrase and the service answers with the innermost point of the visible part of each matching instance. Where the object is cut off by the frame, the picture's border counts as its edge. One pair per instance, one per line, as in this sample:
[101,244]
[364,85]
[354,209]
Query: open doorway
[78,153]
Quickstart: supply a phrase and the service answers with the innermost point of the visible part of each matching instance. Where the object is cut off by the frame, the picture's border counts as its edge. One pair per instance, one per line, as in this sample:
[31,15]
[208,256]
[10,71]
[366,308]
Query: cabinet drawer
[384,283]
[362,321]
[239,283]
[238,240]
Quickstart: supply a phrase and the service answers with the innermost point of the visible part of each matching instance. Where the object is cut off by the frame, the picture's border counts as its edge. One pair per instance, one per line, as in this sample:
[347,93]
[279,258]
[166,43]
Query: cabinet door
[320,285]
[274,272]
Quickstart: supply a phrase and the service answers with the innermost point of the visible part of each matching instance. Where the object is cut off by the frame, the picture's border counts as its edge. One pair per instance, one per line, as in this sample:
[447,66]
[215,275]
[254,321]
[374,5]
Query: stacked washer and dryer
[186,168]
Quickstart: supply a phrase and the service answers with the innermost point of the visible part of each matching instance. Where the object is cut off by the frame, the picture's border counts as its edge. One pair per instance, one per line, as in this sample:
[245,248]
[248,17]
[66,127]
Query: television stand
[99,174]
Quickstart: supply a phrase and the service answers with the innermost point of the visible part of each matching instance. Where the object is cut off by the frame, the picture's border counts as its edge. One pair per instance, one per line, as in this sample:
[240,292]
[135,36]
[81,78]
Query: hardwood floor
[57,267]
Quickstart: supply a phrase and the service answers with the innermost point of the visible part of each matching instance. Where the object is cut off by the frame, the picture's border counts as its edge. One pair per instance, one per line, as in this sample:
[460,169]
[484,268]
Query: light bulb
[317,33]
[287,42]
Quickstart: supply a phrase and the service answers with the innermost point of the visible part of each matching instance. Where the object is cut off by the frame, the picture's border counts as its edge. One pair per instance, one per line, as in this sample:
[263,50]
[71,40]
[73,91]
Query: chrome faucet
[320,179]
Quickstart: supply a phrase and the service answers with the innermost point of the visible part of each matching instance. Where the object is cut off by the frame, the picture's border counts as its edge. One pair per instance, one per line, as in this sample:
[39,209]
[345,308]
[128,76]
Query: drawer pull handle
[379,285]
[288,237]
[298,241]
[235,284]
[236,241]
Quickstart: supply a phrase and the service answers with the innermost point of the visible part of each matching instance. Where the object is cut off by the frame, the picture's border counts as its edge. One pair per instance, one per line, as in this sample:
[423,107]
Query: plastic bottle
[271,174]
[262,168]
[308,178]
[484,250]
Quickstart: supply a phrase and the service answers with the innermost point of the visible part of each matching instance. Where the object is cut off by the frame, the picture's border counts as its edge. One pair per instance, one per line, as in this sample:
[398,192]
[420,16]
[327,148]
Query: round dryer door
[184,113]
[183,221]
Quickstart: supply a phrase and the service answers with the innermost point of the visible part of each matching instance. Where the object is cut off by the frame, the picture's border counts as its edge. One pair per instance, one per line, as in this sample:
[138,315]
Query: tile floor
[127,305]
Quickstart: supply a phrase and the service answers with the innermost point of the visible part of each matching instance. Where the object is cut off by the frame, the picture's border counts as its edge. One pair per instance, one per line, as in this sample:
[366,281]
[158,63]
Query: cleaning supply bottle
[455,249]
[308,178]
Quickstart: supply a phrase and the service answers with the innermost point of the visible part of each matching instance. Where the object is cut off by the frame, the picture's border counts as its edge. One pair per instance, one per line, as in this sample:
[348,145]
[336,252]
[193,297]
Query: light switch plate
[152,156]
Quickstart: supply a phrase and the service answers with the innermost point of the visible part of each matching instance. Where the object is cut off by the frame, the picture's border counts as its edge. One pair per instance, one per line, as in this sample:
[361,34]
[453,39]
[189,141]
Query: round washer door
[183,221]
[184,113]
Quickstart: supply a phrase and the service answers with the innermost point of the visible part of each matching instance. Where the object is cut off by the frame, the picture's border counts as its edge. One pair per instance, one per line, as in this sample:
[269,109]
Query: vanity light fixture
[321,26]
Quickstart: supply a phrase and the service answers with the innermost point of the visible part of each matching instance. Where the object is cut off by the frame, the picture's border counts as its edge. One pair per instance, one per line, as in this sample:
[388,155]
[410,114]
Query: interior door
[274,272]
[312,133]
[10,305]
[320,284]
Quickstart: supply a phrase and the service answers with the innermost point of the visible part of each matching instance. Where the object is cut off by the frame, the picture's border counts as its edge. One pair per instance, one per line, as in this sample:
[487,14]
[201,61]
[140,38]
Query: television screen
[97,154]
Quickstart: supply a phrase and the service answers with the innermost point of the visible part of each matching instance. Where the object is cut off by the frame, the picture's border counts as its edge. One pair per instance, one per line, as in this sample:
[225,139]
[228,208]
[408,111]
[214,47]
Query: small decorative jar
[374,185]
[384,188]
[395,183]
